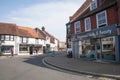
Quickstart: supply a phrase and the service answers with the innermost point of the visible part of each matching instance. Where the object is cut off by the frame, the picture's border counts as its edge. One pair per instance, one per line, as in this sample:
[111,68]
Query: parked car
[69,52]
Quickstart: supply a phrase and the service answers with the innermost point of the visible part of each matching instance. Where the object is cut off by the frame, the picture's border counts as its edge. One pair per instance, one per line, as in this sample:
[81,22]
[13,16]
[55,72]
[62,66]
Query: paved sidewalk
[84,66]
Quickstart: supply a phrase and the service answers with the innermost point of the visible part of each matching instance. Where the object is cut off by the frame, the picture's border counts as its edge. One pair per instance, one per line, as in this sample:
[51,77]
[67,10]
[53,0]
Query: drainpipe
[117,38]
[117,15]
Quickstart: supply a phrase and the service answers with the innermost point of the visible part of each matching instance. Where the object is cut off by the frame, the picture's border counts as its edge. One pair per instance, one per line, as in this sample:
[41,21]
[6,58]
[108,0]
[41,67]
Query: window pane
[2,37]
[87,24]
[24,40]
[7,37]
[101,19]
[12,38]
[77,26]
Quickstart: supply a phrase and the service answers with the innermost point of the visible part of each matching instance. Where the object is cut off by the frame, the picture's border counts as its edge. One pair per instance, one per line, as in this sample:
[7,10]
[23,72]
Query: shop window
[6,49]
[24,48]
[77,27]
[101,19]
[107,46]
[87,24]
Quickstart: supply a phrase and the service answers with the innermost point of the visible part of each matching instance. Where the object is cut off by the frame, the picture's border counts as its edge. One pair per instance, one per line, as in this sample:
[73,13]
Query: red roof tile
[52,38]
[13,29]
[8,28]
[87,12]
[80,10]
[28,32]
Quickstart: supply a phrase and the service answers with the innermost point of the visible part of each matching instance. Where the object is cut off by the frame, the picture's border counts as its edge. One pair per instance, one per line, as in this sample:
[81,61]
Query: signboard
[98,33]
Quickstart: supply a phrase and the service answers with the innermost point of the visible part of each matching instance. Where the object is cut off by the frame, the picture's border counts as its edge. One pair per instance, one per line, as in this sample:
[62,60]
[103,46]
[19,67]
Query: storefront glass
[24,48]
[100,48]
[6,49]
[108,48]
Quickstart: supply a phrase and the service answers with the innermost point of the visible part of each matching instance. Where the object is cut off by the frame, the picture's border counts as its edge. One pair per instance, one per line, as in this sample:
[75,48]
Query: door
[98,49]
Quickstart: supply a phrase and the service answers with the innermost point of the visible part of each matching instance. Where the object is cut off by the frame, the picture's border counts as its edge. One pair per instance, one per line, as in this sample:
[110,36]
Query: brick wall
[72,28]
[93,21]
[82,23]
[111,16]
[119,10]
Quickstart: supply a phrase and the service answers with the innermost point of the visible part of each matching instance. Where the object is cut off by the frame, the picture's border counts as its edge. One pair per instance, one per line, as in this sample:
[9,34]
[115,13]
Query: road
[32,68]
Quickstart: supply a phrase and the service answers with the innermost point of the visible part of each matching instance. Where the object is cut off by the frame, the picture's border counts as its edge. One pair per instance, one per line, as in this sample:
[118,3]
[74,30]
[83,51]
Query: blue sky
[53,14]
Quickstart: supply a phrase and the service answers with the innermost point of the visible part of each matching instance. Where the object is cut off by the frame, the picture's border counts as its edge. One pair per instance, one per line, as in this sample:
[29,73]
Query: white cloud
[52,15]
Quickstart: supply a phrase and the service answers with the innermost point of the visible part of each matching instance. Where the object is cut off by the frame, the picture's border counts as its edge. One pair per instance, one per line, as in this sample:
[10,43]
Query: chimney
[43,28]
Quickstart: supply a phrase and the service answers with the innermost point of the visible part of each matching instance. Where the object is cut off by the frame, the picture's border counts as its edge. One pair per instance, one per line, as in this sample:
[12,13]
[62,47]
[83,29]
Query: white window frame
[105,23]
[2,37]
[76,26]
[87,24]
[12,38]
[93,5]
[24,40]
[7,37]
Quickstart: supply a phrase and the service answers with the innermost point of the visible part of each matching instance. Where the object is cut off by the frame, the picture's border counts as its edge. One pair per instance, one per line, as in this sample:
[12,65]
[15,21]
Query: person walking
[12,52]
[31,50]
[36,49]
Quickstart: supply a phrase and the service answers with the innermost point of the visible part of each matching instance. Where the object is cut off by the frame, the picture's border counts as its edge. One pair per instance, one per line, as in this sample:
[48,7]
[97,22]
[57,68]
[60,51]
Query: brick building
[93,31]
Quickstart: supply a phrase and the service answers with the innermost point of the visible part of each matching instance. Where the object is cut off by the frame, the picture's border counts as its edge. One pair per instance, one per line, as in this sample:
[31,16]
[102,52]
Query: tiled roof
[52,38]
[13,29]
[28,32]
[80,10]
[8,28]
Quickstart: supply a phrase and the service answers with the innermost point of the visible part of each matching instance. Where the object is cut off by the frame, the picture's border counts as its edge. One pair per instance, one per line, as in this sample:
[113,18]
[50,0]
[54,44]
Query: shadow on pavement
[36,60]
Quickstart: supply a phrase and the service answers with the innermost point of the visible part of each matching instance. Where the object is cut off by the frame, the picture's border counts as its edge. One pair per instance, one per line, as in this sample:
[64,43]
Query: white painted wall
[41,41]
[31,40]
[47,41]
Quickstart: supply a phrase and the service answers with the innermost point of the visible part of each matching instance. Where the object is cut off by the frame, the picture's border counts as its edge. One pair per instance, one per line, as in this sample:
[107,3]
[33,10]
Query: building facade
[93,30]
[51,43]
[21,40]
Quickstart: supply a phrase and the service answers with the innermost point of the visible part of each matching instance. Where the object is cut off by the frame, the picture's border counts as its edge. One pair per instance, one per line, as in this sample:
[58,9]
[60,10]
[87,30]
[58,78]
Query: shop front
[99,44]
[25,48]
[6,49]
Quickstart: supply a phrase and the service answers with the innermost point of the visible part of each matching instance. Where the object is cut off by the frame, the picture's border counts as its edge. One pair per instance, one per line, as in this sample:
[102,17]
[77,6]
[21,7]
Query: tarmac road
[32,68]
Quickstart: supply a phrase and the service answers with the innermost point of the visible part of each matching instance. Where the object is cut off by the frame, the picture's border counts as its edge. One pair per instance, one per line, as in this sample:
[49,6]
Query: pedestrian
[53,53]
[36,49]
[31,50]
[12,52]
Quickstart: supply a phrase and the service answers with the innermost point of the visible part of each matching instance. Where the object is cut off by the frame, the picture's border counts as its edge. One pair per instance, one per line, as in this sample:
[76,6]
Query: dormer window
[93,5]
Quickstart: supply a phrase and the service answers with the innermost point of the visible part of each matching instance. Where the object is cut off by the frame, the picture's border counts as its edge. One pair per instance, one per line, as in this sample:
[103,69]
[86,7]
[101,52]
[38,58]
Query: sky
[52,14]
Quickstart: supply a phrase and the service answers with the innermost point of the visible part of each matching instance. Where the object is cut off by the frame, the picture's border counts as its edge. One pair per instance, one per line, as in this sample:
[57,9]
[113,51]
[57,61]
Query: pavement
[85,66]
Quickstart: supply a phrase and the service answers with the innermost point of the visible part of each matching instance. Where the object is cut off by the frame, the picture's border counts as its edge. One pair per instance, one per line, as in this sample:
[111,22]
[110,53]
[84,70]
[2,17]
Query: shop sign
[98,33]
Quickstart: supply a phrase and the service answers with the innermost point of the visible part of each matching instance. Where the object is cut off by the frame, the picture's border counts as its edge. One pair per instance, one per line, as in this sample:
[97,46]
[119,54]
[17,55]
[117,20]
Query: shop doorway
[98,49]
